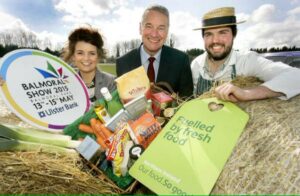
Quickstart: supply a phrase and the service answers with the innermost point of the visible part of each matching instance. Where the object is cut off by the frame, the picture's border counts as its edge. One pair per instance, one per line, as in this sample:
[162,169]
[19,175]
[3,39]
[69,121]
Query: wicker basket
[104,178]
[158,87]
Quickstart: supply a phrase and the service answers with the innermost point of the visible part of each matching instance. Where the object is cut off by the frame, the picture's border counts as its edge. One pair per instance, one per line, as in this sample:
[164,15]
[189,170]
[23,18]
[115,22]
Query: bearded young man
[222,63]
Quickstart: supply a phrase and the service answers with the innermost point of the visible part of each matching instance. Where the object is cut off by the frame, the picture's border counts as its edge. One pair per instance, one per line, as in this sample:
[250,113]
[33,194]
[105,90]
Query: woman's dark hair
[233,29]
[89,35]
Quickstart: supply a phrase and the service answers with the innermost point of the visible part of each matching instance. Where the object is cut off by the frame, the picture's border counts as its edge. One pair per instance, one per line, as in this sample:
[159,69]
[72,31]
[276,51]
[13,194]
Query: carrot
[102,143]
[97,131]
[100,140]
[93,121]
[106,131]
[85,128]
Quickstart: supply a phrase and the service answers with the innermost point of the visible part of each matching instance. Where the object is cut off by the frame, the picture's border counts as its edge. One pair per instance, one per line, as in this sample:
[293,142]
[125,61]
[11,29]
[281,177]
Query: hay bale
[42,173]
[266,158]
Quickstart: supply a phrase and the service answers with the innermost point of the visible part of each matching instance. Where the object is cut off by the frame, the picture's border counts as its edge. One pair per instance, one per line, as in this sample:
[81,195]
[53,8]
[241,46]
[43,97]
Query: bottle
[102,113]
[135,153]
[113,106]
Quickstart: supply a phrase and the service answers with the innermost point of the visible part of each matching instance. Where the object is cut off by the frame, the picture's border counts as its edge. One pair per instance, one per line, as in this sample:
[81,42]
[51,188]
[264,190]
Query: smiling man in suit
[162,63]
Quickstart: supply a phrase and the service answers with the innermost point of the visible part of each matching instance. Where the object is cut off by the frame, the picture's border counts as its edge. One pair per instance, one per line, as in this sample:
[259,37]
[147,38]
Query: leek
[40,132]
[37,136]
[17,145]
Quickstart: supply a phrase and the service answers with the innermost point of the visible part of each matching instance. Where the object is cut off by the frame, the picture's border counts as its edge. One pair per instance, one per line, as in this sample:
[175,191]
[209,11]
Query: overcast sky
[269,22]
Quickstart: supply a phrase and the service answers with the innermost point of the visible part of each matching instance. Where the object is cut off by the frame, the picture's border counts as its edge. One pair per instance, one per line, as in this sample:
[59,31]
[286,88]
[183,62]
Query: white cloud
[123,27]
[267,33]
[6,20]
[110,4]
[263,14]
[11,23]
[182,25]
[115,21]
[78,10]
[293,2]
[295,11]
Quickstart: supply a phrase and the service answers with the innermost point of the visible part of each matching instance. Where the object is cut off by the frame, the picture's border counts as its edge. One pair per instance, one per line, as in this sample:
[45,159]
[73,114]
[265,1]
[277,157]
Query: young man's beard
[221,56]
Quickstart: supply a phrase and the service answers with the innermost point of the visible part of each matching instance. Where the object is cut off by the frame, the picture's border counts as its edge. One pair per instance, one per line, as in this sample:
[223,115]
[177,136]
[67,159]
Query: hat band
[219,21]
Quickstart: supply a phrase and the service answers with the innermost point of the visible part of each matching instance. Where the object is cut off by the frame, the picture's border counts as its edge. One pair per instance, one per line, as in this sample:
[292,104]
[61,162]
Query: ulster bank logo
[51,72]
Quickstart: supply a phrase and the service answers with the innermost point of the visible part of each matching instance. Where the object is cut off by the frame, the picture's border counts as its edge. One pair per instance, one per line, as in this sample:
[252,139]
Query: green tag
[190,152]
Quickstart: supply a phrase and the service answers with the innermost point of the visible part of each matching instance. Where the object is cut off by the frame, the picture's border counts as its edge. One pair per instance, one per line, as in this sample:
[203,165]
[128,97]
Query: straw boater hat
[219,17]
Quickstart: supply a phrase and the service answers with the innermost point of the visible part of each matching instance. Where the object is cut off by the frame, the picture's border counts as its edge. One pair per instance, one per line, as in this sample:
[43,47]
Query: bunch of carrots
[99,130]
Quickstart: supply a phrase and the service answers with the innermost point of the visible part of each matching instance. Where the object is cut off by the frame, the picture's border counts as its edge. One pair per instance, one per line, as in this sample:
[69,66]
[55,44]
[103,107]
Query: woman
[84,51]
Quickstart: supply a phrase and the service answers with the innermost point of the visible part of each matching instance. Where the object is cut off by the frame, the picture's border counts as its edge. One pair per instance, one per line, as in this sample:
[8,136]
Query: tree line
[125,46]
[273,49]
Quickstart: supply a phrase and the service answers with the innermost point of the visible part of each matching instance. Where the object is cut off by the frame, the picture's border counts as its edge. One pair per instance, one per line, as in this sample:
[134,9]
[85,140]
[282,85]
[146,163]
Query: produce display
[133,125]
[119,124]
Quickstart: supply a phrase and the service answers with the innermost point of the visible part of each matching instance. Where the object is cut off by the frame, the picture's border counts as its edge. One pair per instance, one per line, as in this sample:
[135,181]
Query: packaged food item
[133,84]
[89,149]
[116,150]
[145,129]
[113,105]
[160,101]
[131,133]
[125,163]
[119,118]
[137,106]
[102,113]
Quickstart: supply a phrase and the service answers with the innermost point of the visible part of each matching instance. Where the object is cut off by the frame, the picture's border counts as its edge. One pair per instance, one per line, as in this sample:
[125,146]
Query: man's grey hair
[159,8]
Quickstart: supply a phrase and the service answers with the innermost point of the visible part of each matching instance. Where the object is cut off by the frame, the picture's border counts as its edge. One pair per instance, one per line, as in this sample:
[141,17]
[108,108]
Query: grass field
[109,68]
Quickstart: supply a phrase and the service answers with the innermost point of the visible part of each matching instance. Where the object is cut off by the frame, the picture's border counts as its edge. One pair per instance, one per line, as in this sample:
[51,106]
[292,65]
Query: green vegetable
[18,145]
[14,138]
[33,135]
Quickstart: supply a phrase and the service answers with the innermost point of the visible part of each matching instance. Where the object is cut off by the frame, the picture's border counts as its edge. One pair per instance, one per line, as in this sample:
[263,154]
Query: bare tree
[7,39]
[171,41]
[20,38]
[118,50]
[135,43]
[123,47]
